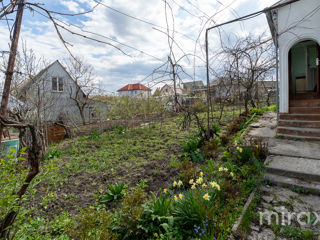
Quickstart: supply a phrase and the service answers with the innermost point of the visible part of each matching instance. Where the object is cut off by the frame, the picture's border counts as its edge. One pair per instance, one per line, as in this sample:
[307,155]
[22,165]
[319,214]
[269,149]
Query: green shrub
[114,193]
[191,149]
[194,214]
[94,135]
[93,224]
[156,217]
[127,219]
[53,153]
[257,111]
[121,129]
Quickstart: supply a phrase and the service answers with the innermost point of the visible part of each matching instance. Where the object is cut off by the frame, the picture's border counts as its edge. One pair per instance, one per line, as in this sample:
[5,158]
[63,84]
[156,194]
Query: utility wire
[99,35]
[252,15]
[139,19]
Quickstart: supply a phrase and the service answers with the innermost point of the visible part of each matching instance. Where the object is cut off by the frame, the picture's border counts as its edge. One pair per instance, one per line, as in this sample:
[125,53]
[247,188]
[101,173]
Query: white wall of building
[297,22]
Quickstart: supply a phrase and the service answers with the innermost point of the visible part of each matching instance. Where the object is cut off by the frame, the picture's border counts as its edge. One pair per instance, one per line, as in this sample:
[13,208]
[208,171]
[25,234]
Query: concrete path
[293,168]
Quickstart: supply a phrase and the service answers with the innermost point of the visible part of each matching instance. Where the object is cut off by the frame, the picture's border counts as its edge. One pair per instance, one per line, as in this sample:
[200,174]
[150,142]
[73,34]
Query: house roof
[28,82]
[272,17]
[133,87]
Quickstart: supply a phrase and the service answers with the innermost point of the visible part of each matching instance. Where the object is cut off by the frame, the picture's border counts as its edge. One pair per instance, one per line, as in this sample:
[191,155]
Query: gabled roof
[29,81]
[133,87]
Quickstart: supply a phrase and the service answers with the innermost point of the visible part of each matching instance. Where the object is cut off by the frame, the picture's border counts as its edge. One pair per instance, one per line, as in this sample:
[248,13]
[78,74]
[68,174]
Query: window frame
[59,83]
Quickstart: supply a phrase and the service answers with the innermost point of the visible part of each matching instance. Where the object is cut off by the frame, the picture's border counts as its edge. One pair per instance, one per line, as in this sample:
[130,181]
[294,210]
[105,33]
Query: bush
[127,219]
[257,111]
[93,224]
[114,193]
[53,153]
[191,149]
[156,217]
[194,214]
[94,135]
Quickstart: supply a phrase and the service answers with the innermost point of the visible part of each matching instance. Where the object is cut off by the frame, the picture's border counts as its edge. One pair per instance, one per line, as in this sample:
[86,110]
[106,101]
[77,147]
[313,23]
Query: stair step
[299,123]
[306,117]
[314,187]
[300,138]
[293,167]
[310,132]
[305,103]
[305,110]
[302,149]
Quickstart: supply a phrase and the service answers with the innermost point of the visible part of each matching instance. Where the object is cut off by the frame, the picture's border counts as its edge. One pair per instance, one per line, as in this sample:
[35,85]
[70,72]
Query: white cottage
[134,90]
[295,28]
[48,96]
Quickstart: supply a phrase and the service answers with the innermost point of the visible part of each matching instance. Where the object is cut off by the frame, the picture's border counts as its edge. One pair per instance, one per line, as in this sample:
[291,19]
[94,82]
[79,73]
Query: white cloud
[112,67]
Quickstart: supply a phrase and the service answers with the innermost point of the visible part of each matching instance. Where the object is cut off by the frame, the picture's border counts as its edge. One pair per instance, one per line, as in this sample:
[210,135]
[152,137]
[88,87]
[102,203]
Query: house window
[57,84]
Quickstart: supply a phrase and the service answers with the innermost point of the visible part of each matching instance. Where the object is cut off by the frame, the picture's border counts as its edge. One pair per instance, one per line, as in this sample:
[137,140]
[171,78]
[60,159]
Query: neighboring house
[168,90]
[48,96]
[294,27]
[135,90]
[225,88]
[193,87]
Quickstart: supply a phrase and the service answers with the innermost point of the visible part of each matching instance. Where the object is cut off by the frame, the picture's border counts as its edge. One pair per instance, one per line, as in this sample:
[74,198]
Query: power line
[99,35]
[252,15]
[139,19]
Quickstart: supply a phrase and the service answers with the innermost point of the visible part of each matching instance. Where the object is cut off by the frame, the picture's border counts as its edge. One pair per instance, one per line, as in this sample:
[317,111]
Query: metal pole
[11,62]
[208,81]
[277,73]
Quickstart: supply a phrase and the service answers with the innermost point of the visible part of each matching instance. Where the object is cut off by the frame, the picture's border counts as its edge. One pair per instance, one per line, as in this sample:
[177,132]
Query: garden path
[293,186]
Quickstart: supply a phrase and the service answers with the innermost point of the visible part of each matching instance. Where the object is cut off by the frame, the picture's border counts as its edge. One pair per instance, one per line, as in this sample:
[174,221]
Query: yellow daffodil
[174,183]
[231,174]
[165,190]
[201,174]
[213,184]
[193,186]
[191,181]
[179,183]
[199,180]
[204,185]
[218,187]
[236,144]
[220,169]
[180,196]
[225,169]
[156,235]
[175,198]
[240,150]
[206,197]
[257,146]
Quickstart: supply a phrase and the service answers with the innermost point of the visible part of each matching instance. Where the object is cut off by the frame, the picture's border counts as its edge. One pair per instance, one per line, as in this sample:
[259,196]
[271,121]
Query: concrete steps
[299,131]
[300,117]
[304,110]
[284,181]
[301,138]
[303,120]
[295,167]
[294,171]
[305,103]
[299,124]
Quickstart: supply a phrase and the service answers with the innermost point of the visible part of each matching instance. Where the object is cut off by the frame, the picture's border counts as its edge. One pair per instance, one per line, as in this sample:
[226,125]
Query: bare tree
[82,74]
[248,61]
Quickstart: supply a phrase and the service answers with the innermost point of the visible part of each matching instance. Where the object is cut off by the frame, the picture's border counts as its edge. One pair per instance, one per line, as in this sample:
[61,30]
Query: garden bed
[176,185]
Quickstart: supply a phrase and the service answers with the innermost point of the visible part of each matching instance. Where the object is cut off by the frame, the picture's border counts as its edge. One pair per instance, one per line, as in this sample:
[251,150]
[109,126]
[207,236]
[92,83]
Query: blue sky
[114,69]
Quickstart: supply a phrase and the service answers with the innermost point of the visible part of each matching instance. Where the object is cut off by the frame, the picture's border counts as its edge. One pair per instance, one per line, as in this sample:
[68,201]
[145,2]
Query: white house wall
[296,22]
[56,103]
